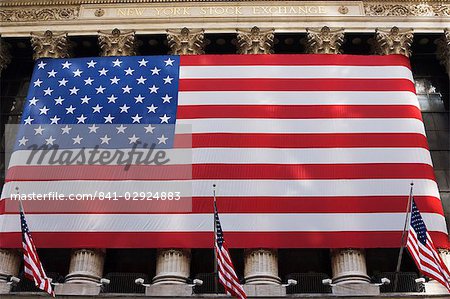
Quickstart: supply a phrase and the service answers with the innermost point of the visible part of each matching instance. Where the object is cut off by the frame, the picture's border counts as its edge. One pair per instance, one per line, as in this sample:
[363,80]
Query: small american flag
[423,251]
[32,265]
[227,275]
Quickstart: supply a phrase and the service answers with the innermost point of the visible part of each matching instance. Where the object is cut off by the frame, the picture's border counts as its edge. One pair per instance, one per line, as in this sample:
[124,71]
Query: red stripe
[298,111]
[341,140]
[262,84]
[382,239]
[295,59]
[223,172]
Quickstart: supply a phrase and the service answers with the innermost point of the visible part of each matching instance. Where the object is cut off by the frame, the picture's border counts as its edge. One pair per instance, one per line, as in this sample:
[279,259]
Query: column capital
[324,40]
[117,43]
[393,41]
[50,45]
[443,50]
[186,42]
[5,56]
[255,41]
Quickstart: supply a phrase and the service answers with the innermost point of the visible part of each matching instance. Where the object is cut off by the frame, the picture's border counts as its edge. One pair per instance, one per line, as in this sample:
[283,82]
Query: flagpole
[20,200]
[216,289]
[404,235]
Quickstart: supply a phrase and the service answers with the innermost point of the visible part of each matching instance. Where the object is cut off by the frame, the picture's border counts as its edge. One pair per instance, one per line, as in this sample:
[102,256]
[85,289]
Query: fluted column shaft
[349,266]
[172,266]
[261,266]
[86,266]
[443,50]
[9,263]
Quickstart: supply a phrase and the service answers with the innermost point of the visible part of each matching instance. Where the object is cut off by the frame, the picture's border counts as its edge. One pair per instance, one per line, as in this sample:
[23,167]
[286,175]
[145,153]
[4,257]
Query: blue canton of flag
[418,225]
[111,102]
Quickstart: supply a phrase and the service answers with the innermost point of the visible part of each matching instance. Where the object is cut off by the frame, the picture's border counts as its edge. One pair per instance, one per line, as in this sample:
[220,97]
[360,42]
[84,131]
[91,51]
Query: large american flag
[33,269]
[312,151]
[423,251]
[225,269]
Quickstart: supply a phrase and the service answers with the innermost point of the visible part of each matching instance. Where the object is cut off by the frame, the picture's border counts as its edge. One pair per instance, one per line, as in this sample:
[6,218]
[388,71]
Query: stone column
[443,50]
[50,45]
[9,265]
[86,266]
[255,41]
[324,40]
[186,42]
[393,41]
[117,43]
[349,266]
[172,266]
[5,56]
[261,266]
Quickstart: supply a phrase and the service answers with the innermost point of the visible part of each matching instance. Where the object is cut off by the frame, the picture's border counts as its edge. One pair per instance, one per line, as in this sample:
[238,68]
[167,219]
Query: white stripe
[297,98]
[338,125]
[267,156]
[295,71]
[239,188]
[249,222]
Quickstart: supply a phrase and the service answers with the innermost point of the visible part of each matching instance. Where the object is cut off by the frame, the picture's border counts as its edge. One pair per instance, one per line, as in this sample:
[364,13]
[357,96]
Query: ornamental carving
[255,41]
[324,40]
[5,56]
[186,42]
[393,41]
[404,10]
[39,14]
[50,45]
[443,50]
[117,43]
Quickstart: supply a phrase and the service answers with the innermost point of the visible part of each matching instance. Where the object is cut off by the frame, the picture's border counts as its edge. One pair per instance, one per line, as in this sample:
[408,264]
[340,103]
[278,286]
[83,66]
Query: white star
[121,129]
[115,80]
[103,72]
[169,62]
[55,120]
[23,141]
[59,100]
[91,63]
[133,139]
[129,71]
[88,81]
[162,139]
[117,62]
[74,90]
[33,101]
[66,65]
[143,62]
[166,98]
[97,108]
[124,108]
[66,129]
[43,110]
[112,99]
[93,129]
[136,119]
[41,65]
[48,91]
[52,73]
[152,108]
[154,89]
[50,140]
[63,82]
[77,140]
[38,83]
[39,130]
[126,89]
[70,109]
[100,89]
[108,119]
[139,99]
[149,129]
[167,80]
[141,80]
[81,118]
[155,71]
[28,120]
[77,73]
[164,119]
[85,100]
[105,139]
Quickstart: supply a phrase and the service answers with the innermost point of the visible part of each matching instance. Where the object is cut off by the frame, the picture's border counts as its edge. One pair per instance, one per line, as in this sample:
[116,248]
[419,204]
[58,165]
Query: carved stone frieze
[117,43]
[324,40]
[186,42]
[50,45]
[443,50]
[5,56]
[24,14]
[255,41]
[393,41]
[406,9]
